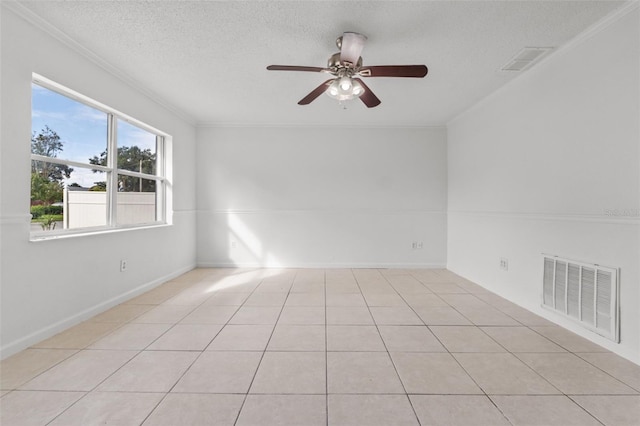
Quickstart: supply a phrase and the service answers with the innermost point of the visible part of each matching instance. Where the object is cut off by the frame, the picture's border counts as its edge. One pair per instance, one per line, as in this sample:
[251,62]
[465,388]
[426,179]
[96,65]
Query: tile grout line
[436,337]
[122,325]
[406,395]
[451,355]
[264,351]
[201,352]
[604,371]
[467,373]
[170,328]
[583,409]
[326,351]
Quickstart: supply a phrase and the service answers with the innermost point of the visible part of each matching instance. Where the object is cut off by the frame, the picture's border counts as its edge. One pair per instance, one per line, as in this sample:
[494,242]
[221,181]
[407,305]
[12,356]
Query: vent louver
[586,293]
[525,58]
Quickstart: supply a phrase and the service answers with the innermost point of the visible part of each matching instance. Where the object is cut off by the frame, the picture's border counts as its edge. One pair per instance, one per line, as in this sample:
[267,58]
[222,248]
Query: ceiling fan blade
[368,98]
[295,68]
[417,71]
[351,48]
[315,93]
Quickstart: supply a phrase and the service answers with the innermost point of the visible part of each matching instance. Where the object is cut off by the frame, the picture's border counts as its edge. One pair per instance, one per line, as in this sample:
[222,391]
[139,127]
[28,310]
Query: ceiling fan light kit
[344,89]
[346,68]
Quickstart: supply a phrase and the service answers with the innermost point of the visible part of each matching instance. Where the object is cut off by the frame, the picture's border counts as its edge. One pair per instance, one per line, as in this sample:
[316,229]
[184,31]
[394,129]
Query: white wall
[543,165]
[39,294]
[316,197]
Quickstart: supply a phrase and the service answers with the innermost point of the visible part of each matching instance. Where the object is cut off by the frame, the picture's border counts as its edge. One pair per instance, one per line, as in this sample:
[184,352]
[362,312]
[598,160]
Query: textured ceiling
[207,59]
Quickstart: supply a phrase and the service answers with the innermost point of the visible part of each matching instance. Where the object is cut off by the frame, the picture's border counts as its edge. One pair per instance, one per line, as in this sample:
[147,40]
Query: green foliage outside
[46,179]
[44,190]
[39,211]
[48,222]
[48,144]
[99,186]
[133,159]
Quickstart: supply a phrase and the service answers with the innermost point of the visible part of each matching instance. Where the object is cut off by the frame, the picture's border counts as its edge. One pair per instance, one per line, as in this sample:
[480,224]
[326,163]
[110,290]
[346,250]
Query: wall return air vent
[586,293]
[525,58]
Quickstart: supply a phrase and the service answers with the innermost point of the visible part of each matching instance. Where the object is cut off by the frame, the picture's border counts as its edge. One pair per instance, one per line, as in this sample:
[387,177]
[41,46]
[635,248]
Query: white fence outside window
[83,209]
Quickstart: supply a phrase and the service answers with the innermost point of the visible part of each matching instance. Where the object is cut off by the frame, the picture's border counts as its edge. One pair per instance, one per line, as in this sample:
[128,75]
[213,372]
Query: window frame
[111,170]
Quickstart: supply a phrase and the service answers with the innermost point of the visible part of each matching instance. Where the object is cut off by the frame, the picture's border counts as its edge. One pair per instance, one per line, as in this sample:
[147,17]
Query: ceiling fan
[346,68]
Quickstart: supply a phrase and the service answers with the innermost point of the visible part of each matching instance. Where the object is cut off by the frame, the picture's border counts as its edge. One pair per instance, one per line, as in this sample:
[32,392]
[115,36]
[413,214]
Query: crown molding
[42,24]
[205,125]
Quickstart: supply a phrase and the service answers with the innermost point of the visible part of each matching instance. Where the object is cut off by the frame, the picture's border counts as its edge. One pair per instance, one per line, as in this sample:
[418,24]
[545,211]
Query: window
[92,168]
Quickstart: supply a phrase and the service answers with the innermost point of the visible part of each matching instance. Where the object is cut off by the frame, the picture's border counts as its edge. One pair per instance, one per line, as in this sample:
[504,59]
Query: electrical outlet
[504,264]
[414,245]
[123,265]
[420,245]
[233,244]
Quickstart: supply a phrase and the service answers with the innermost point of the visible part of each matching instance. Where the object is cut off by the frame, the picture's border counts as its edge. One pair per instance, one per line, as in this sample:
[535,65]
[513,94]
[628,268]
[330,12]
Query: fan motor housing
[334,62]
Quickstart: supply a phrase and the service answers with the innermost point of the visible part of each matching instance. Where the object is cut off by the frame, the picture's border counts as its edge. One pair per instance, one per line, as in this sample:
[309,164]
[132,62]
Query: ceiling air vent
[525,58]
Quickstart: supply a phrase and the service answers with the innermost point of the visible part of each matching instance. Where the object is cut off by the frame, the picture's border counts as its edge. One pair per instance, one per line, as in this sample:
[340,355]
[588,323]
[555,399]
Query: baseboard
[53,329]
[325,265]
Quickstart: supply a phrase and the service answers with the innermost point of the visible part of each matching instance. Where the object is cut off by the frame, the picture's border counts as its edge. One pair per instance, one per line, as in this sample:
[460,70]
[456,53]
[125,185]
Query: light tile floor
[318,347]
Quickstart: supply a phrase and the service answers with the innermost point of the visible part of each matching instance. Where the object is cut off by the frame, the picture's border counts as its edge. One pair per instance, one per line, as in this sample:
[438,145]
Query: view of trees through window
[76,181]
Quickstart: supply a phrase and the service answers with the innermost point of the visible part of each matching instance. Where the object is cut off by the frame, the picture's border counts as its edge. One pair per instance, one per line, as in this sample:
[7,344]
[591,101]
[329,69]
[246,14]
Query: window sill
[36,237]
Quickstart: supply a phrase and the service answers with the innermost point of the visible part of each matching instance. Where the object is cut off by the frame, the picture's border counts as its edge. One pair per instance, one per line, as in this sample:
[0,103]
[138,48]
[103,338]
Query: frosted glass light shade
[345,84]
[344,90]
[352,45]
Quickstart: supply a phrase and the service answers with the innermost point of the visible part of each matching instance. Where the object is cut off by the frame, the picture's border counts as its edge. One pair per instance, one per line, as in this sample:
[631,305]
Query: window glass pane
[59,205]
[67,129]
[86,207]
[136,149]
[136,200]
[69,139]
